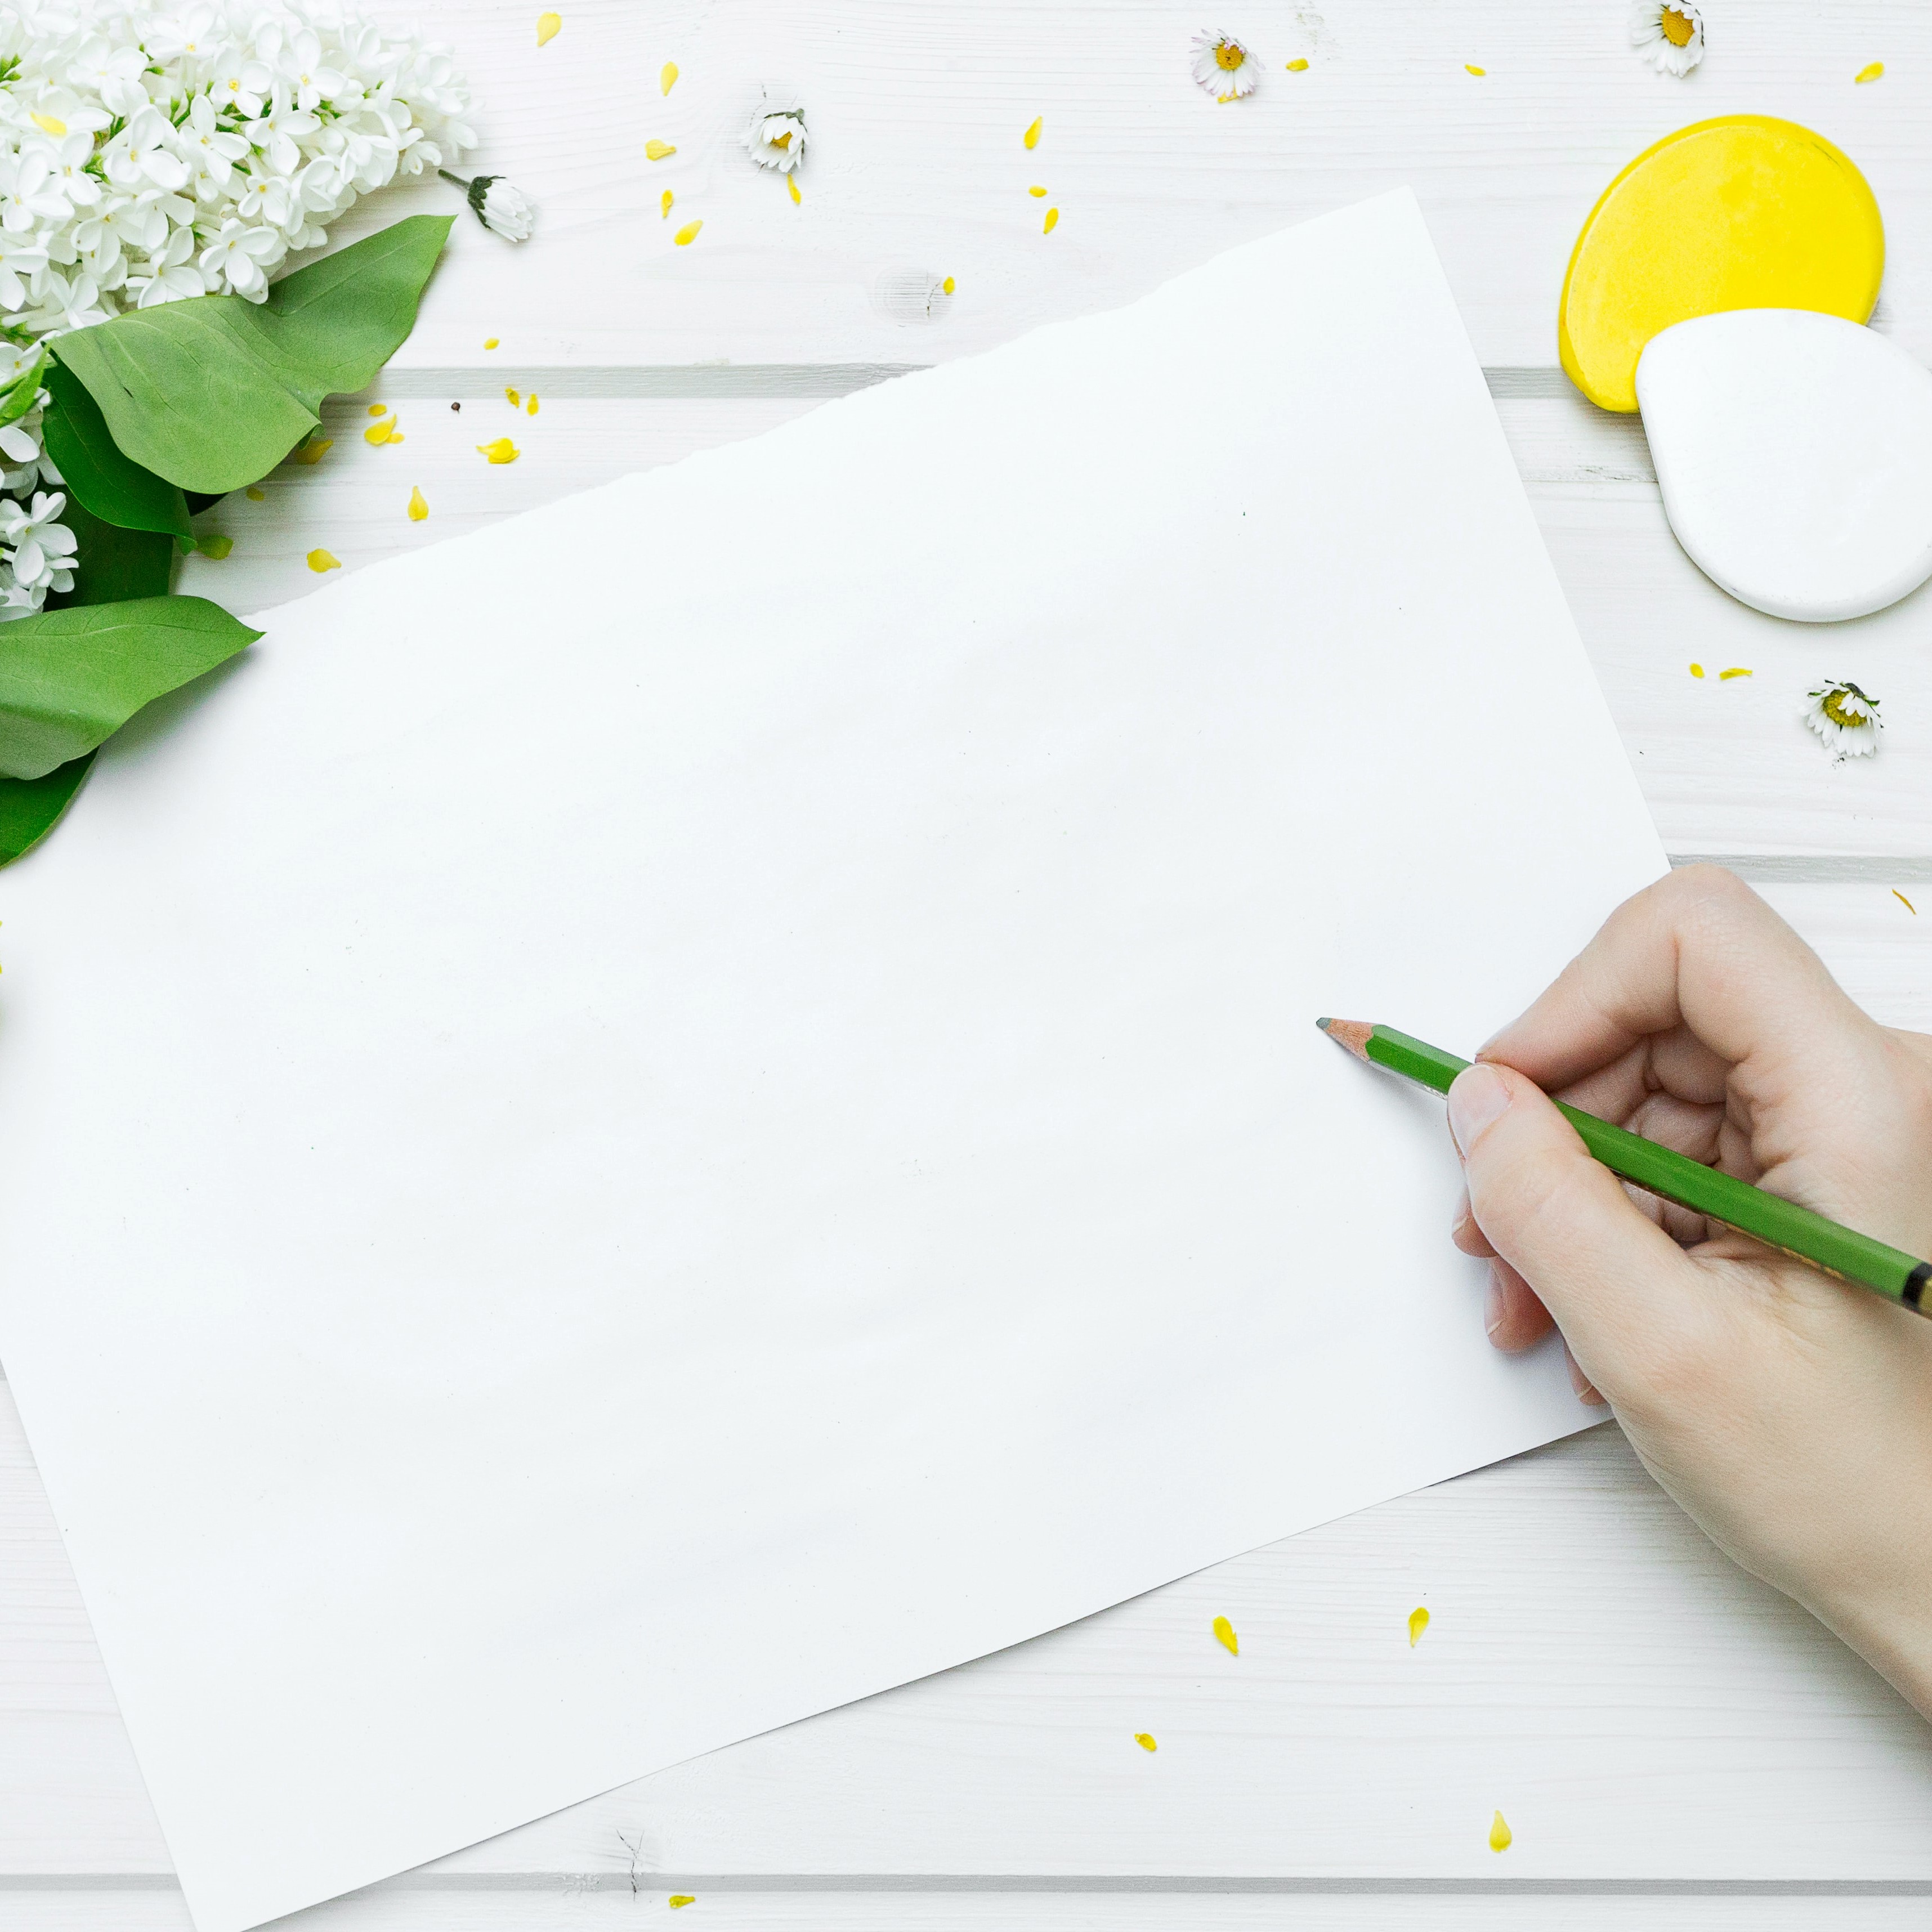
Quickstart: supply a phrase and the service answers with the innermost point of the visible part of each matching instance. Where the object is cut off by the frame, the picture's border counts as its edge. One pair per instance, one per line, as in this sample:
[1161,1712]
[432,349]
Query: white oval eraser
[1794,451]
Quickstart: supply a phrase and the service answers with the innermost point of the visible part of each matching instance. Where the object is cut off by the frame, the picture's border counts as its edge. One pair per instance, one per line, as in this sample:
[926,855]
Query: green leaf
[112,563]
[97,475]
[69,678]
[30,808]
[23,391]
[213,392]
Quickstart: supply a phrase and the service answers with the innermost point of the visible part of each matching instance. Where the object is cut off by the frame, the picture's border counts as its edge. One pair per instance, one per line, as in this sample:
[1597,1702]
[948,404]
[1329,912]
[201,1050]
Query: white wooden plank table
[1673,1745]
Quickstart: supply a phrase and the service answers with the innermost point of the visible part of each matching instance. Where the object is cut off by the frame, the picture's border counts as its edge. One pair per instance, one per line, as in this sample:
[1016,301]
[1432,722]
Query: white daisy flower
[1224,66]
[777,140]
[1845,718]
[1669,34]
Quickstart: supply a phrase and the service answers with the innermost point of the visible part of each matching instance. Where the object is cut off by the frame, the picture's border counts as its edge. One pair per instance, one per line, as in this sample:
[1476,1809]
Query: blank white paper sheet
[707,1101]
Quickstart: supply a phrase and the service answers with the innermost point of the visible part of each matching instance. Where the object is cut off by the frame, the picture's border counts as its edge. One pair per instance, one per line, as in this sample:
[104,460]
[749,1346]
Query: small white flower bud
[503,207]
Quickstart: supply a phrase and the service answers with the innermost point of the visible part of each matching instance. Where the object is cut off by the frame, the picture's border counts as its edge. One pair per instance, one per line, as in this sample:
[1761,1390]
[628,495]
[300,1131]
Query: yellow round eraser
[1742,212]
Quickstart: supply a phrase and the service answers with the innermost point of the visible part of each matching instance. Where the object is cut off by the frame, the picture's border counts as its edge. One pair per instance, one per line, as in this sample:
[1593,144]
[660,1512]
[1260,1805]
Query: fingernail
[1492,1306]
[1585,1389]
[1480,1096]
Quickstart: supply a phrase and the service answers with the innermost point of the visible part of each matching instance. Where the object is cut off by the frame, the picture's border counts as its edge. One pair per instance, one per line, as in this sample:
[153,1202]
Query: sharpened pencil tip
[1353,1034]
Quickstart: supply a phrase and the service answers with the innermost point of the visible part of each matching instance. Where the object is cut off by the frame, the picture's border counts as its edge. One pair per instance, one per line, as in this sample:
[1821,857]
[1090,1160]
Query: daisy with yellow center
[1224,66]
[777,138]
[1669,34]
[1845,718]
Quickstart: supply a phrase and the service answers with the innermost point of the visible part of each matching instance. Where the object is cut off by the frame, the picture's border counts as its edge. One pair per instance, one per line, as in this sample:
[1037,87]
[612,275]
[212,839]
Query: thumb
[1620,1289]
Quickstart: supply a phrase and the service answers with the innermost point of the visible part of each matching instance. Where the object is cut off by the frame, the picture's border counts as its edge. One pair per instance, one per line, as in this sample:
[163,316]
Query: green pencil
[1779,1224]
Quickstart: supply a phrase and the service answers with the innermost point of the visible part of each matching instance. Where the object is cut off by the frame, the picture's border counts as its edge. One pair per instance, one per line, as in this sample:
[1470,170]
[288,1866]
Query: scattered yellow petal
[319,560]
[378,409]
[216,547]
[663,207]
[1418,1622]
[1863,74]
[1051,222]
[1697,671]
[678,1898]
[312,452]
[947,287]
[516,400]
[688,233]
[1500,1835]
[1031,137]
[1225,1631]
[668,79]
[530,407]
[1736,670]
[381,432]
[48,124]
[396,436]
[1145,1740]
[791,182]
[1038,193]
[491,342]
[548,27]
[1297,66]
[1905,902]
[659,150]
[1478,71]
[256,495]
[419,506]
[502,451]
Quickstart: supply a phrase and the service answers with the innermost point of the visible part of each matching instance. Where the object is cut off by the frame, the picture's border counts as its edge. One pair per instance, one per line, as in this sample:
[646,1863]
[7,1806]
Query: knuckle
[1707,904]
[1705,884]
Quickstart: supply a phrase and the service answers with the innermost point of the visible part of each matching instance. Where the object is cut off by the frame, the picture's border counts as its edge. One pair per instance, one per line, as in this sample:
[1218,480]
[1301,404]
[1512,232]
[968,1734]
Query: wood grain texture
[917,171]
[1646,1715]
[1639,1710]
[563,1902]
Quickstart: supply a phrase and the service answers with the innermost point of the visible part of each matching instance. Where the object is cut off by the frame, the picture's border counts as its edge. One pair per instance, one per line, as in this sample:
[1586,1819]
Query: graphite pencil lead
[1353,1034]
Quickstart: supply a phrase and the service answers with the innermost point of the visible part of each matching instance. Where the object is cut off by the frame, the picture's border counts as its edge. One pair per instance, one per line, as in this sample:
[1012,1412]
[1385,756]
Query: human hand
[1790,1414]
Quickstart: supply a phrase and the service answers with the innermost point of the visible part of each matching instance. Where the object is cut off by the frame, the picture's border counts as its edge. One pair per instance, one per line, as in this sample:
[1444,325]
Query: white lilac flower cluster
[150,150]
[36,550]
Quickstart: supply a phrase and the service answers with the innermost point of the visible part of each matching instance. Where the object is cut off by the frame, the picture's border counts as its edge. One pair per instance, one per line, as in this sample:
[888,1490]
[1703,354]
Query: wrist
[1892,1632]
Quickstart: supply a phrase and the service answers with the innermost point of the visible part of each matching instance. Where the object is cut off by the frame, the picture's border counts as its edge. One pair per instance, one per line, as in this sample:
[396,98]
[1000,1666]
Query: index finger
[1700,951]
